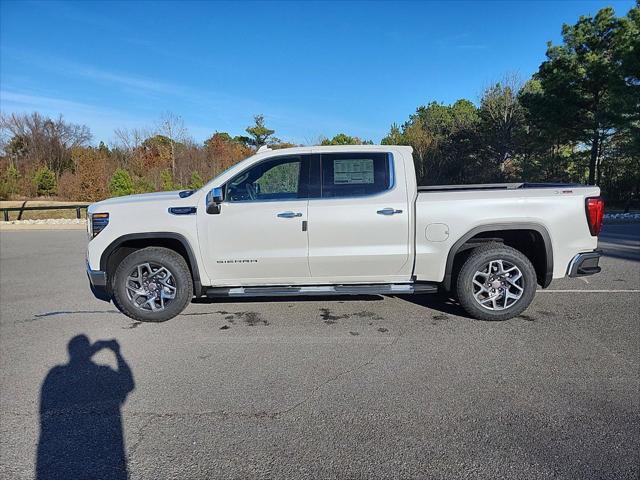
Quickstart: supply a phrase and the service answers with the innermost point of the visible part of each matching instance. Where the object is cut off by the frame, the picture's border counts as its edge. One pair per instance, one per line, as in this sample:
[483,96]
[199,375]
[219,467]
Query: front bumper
[585,264]
[98,284]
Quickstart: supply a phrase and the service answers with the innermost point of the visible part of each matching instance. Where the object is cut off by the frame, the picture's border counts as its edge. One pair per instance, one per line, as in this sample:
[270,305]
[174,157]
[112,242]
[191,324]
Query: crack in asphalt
[141,435]
[222,414]
[581,338]
[72,312]
[38,316]
[358,367]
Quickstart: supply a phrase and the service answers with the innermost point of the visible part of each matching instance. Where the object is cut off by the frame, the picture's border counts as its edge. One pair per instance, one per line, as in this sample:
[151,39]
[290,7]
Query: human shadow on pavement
[81,435]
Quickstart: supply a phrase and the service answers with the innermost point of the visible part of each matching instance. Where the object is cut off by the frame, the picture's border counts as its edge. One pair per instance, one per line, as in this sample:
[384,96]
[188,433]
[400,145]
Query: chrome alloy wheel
[151,286]
[498,285]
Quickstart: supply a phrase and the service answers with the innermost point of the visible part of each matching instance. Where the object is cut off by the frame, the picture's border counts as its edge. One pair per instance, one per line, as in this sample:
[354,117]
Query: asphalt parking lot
[365,387]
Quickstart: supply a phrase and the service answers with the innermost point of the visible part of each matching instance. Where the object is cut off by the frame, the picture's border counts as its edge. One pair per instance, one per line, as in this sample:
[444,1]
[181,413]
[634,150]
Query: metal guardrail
[77,208]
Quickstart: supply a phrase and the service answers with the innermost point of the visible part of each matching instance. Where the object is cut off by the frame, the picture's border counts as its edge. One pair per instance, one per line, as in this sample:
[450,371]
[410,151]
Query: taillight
[595,213]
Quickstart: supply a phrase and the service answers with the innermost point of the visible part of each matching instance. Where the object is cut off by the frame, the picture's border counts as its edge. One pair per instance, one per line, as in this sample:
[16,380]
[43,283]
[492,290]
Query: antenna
[264,148]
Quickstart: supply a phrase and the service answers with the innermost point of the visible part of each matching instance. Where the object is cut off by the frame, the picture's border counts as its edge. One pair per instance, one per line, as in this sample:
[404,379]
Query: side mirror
[214,199]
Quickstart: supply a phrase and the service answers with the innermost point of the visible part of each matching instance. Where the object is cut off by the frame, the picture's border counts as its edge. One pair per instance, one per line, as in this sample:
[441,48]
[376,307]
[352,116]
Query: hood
[144,198]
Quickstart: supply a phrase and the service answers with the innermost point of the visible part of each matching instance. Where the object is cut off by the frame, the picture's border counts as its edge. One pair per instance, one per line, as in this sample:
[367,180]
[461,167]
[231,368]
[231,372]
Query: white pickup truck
[341,220]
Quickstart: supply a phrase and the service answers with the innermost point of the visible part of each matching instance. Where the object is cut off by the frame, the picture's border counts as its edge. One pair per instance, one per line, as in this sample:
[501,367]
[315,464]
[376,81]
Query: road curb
[12,227]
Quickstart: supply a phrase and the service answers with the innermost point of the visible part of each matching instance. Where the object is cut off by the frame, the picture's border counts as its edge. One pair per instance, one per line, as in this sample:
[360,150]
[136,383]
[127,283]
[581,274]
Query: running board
[286,291]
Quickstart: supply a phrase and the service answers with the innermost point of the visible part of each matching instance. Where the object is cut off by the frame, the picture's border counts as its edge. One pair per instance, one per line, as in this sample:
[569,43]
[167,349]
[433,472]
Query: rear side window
[355,174]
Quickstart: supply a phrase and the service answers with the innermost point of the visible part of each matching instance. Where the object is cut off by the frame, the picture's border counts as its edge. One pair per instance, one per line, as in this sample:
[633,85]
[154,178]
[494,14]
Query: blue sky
[311,68]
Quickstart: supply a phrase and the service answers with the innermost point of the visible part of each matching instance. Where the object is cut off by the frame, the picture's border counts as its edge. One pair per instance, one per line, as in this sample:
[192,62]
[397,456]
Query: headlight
[97,222]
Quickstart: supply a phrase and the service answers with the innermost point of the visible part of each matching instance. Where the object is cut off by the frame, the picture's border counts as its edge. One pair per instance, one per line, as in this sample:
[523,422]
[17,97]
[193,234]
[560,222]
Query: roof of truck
[331,148]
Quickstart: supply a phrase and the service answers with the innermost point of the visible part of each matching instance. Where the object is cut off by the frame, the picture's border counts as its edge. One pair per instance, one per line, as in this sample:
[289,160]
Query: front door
[258,236]
[359,227]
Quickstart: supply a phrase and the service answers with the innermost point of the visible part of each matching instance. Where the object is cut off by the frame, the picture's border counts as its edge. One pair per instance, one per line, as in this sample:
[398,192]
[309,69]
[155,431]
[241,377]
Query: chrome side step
[286,291]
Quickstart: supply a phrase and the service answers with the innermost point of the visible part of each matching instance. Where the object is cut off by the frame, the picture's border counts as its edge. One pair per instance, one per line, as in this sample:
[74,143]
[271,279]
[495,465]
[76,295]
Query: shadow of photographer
[81,433]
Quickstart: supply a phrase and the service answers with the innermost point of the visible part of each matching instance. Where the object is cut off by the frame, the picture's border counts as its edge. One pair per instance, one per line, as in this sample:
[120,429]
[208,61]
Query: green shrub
[45,181]
[142,185]
[196,181]
[9,182]
[167,180]
[4,190]
[121,183]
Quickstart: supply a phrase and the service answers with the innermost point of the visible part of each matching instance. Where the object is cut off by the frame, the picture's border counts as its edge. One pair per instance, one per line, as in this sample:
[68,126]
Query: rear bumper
[585,264]
[98,284]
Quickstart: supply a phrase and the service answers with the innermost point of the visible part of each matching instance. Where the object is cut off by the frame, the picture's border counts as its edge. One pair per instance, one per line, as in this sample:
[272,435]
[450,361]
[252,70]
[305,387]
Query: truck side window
[355,174]
[277,179]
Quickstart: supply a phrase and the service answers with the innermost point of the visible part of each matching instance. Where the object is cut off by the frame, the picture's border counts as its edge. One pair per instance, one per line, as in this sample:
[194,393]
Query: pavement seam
[594,341]
[583,290]
[141,435]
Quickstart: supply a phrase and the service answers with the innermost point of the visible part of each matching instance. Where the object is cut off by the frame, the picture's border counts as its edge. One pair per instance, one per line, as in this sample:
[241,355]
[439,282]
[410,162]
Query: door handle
[388,211]
[289,214]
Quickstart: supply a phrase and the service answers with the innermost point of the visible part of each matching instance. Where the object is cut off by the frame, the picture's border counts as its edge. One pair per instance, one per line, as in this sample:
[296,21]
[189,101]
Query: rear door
[359,220]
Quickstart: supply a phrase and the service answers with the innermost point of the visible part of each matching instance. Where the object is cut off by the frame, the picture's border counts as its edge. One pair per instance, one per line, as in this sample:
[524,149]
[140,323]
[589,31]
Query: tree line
[576,120]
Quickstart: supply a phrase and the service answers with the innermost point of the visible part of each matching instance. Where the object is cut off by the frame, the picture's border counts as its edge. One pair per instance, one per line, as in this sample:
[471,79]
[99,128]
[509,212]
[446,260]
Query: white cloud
[101,120]
[129,81]
[9,100]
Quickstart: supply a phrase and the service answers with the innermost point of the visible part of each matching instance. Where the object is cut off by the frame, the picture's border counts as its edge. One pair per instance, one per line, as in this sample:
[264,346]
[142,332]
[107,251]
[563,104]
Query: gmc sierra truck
[341,220]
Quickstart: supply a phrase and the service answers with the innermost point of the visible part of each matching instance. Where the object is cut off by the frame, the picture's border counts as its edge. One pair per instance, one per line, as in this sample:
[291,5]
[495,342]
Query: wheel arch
[503,232]
[124,245]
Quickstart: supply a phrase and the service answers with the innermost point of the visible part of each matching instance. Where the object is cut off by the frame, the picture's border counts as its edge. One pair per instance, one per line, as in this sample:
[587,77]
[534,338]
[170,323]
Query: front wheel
[496,282]
[152,285]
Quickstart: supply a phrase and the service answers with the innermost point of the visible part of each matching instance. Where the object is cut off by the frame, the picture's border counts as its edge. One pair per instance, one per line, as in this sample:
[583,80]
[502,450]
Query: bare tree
[172,126]
[315,140]
[43,139]
[129,139]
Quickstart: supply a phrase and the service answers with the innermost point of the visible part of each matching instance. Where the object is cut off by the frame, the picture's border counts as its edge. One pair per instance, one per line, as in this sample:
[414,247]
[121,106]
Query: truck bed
[494,186]
[446,214]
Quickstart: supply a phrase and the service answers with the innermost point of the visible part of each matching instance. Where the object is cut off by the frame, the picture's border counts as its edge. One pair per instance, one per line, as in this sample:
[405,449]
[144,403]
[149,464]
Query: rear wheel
[152,285]
[496,282]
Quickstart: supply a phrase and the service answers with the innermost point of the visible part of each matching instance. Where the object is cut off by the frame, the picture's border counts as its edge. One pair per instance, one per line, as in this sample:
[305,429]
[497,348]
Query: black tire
[480,257]
[181,278]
